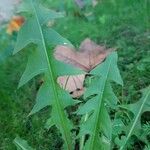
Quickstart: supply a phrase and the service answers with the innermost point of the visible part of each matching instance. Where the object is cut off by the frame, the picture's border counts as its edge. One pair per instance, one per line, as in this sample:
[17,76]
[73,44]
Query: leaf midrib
[99,106]
[52,80]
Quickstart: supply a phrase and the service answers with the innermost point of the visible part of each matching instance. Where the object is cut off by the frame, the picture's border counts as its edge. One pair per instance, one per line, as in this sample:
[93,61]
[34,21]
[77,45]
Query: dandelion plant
[41,61]
[101,123]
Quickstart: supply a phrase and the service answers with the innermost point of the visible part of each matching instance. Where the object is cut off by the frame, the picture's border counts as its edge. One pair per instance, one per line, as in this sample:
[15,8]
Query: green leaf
[36,65]
[113,74]
[52,37]
[44,98]
[99,125]
[42,60]
[110,97]
[137,108]
[22,144]
[117,126]
[25,6]
[147,147]
[45,14]
[29,33]
[49,123]
[88,107]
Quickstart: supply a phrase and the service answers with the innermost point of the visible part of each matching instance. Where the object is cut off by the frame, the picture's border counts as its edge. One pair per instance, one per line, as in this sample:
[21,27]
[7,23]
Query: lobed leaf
[99,125]
[137,108]
[42,60]
[44,98]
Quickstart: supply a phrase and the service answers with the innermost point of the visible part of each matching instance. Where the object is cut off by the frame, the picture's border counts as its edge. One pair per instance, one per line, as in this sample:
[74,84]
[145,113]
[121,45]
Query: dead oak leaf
[88,57]
[73,84]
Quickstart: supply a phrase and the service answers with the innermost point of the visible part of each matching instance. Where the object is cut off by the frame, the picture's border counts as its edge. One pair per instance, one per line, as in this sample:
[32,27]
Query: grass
[123,24]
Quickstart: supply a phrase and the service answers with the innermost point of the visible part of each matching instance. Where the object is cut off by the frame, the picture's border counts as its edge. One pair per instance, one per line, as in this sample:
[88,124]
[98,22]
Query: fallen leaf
[15,24]
[73,84]
[88,57]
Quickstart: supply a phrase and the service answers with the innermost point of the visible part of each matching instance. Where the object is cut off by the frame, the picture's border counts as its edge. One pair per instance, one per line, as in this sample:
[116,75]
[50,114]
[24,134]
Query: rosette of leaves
[41,61]
[98,126]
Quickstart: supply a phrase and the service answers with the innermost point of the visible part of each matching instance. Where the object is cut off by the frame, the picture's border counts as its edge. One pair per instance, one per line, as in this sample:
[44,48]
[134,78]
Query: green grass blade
[139,110]
[22,144]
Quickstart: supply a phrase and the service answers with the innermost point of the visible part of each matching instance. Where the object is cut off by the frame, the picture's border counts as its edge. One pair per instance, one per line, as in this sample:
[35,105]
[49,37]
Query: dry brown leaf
[15,24]
[73,84]
[88,57]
